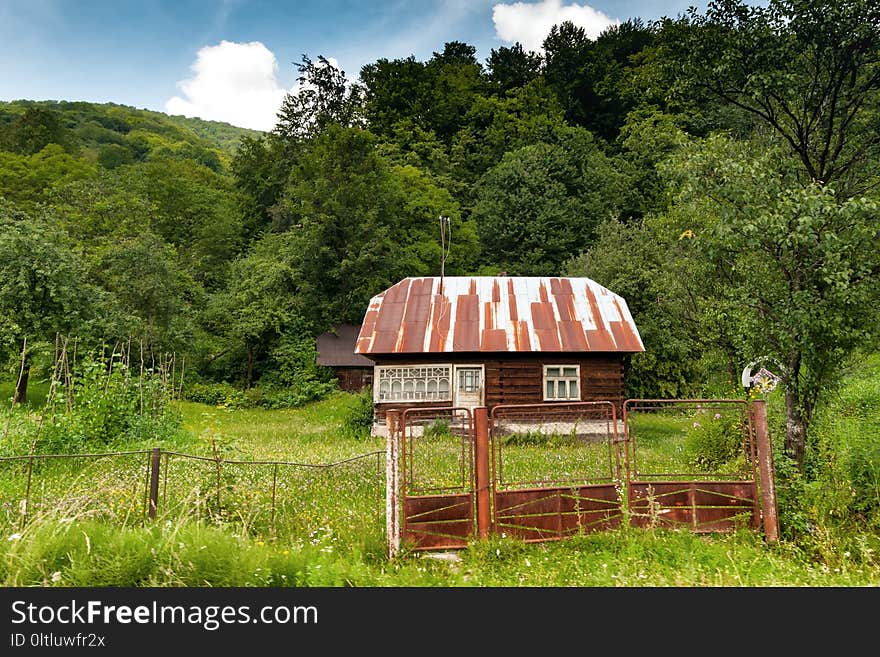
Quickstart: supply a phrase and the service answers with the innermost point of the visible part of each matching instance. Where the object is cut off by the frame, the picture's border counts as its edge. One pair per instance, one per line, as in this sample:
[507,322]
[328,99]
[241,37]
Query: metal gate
[555,469]
[437,477]
[542,472]
[703,475]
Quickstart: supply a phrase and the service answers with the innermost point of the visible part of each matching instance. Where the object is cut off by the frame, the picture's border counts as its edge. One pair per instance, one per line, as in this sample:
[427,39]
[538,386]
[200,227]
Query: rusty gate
[555,469]
[542,472]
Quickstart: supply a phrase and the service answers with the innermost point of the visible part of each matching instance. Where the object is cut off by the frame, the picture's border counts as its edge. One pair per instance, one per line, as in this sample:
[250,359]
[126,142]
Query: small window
[562,383]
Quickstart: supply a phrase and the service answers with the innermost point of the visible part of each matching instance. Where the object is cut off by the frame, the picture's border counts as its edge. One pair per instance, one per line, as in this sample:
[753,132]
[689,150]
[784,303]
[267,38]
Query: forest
[717,169]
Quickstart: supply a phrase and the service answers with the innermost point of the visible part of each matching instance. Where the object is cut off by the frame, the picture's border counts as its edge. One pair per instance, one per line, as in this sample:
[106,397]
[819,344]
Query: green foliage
[356,225]
[778,269]
[106,404]
[34,129]
[358,420]
[715,441]
[30,179]
[43,287]
[214,394]
[804,70]
[541,204]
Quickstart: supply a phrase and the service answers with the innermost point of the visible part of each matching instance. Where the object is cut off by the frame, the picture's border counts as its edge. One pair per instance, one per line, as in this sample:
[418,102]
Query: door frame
[463,366]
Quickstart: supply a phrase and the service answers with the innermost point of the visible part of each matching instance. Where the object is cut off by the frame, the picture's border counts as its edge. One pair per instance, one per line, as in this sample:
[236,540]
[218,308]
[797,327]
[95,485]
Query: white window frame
[430,374]
[561,378]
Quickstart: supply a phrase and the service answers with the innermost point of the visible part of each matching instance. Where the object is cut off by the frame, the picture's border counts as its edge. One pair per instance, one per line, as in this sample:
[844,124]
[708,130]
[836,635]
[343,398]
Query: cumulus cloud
[529,23]
[232,82]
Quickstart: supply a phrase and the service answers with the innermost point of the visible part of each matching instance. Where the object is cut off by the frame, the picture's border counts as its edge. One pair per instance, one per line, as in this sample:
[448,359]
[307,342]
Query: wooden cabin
[489,340]
[336,350]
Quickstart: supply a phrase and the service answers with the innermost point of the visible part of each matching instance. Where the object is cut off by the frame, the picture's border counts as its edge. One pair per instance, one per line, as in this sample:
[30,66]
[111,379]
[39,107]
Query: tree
[35,129]
[147,291]
[43,286]
[359,224]
[629,259]
[456,80]
[395,90]
[512,67]
[323,97]
[30,179]
[258,302]
[791,269]
[541,204]
[808,70]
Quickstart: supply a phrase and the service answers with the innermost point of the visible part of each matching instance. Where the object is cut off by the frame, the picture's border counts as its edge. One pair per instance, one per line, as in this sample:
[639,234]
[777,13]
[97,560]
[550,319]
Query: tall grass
[86,527]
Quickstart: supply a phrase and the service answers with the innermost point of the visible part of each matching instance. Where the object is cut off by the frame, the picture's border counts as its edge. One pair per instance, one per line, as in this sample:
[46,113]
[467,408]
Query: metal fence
[266,498]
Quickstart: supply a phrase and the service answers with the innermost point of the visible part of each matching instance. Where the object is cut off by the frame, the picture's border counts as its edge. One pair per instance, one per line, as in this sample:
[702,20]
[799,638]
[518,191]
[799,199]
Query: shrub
[107,405]
[714,440]
[358,419]
[215,394]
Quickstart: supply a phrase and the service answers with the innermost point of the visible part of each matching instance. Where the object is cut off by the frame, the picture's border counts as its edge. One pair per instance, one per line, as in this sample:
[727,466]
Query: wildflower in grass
[56,576]
[14,537]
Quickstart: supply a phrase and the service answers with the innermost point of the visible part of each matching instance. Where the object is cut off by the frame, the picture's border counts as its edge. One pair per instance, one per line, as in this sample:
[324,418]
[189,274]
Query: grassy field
[301,525]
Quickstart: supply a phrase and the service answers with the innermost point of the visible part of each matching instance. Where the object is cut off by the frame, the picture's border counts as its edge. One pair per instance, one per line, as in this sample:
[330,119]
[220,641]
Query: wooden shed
[489,340]
[336,350]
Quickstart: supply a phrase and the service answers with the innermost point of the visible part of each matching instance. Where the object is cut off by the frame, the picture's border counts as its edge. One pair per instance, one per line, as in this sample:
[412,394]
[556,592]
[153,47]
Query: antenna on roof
[445,243]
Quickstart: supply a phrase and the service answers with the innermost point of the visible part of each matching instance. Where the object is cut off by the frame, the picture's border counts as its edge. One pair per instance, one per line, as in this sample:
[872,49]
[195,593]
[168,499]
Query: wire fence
[263,498]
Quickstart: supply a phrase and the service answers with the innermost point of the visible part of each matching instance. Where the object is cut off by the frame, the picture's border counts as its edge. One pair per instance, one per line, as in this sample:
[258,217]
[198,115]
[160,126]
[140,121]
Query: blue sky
[232,60]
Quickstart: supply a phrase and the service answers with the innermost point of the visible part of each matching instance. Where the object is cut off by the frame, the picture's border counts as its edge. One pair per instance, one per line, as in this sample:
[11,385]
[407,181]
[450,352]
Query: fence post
[155,464]
[392,483]
[765,471]
[481,462]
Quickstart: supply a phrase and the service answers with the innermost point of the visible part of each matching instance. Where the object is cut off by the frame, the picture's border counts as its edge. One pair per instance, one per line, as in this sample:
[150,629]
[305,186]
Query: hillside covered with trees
[717,169]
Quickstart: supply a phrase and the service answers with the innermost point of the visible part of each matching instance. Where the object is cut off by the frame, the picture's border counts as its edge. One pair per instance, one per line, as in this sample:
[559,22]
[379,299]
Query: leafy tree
[35,129]
[628,259]
[456,81]
[807,70]
[541,204]
[147,292]
[30,179]
[359,225]
[324,97]
[791,269]
[565,55]
[394,91]
[43,285]
[512,67]
[113,155]
[494,125]
[260,169]
[252,311]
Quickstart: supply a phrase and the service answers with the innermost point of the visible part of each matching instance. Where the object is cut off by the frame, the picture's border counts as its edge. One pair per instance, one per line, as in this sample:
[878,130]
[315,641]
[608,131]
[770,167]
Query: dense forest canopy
[717,169]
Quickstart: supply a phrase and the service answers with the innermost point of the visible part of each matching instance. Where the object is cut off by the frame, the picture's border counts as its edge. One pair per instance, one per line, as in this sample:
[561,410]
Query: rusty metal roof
[336,348]
[497,313]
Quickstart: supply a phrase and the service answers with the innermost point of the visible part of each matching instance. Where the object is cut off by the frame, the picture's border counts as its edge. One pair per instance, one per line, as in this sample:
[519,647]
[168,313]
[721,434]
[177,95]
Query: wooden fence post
[769,509]
[392,483]
[155,464]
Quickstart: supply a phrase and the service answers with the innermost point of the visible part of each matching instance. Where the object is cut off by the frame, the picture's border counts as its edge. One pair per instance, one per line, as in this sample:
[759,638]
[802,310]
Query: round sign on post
[764,380]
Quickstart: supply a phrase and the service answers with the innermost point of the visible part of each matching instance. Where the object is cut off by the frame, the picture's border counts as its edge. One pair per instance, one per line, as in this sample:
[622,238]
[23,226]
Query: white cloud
[232,82]
[530,23]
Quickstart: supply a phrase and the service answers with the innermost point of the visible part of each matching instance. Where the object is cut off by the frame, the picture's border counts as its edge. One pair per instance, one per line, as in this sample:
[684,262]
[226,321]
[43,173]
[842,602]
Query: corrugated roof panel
[497,313]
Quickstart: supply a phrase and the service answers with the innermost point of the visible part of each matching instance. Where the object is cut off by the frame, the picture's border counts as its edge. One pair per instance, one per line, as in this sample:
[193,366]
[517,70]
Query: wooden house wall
[353,379]
[519,378]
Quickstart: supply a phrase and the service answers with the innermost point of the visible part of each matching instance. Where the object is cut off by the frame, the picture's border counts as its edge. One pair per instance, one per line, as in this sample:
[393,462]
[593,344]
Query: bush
[215,394]
[714,441]
[107,405]
[262,396]
[358,420]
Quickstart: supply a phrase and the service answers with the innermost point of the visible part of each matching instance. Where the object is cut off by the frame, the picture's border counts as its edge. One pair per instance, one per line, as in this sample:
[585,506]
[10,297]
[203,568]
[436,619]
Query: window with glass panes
[410,383]
[562,382]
